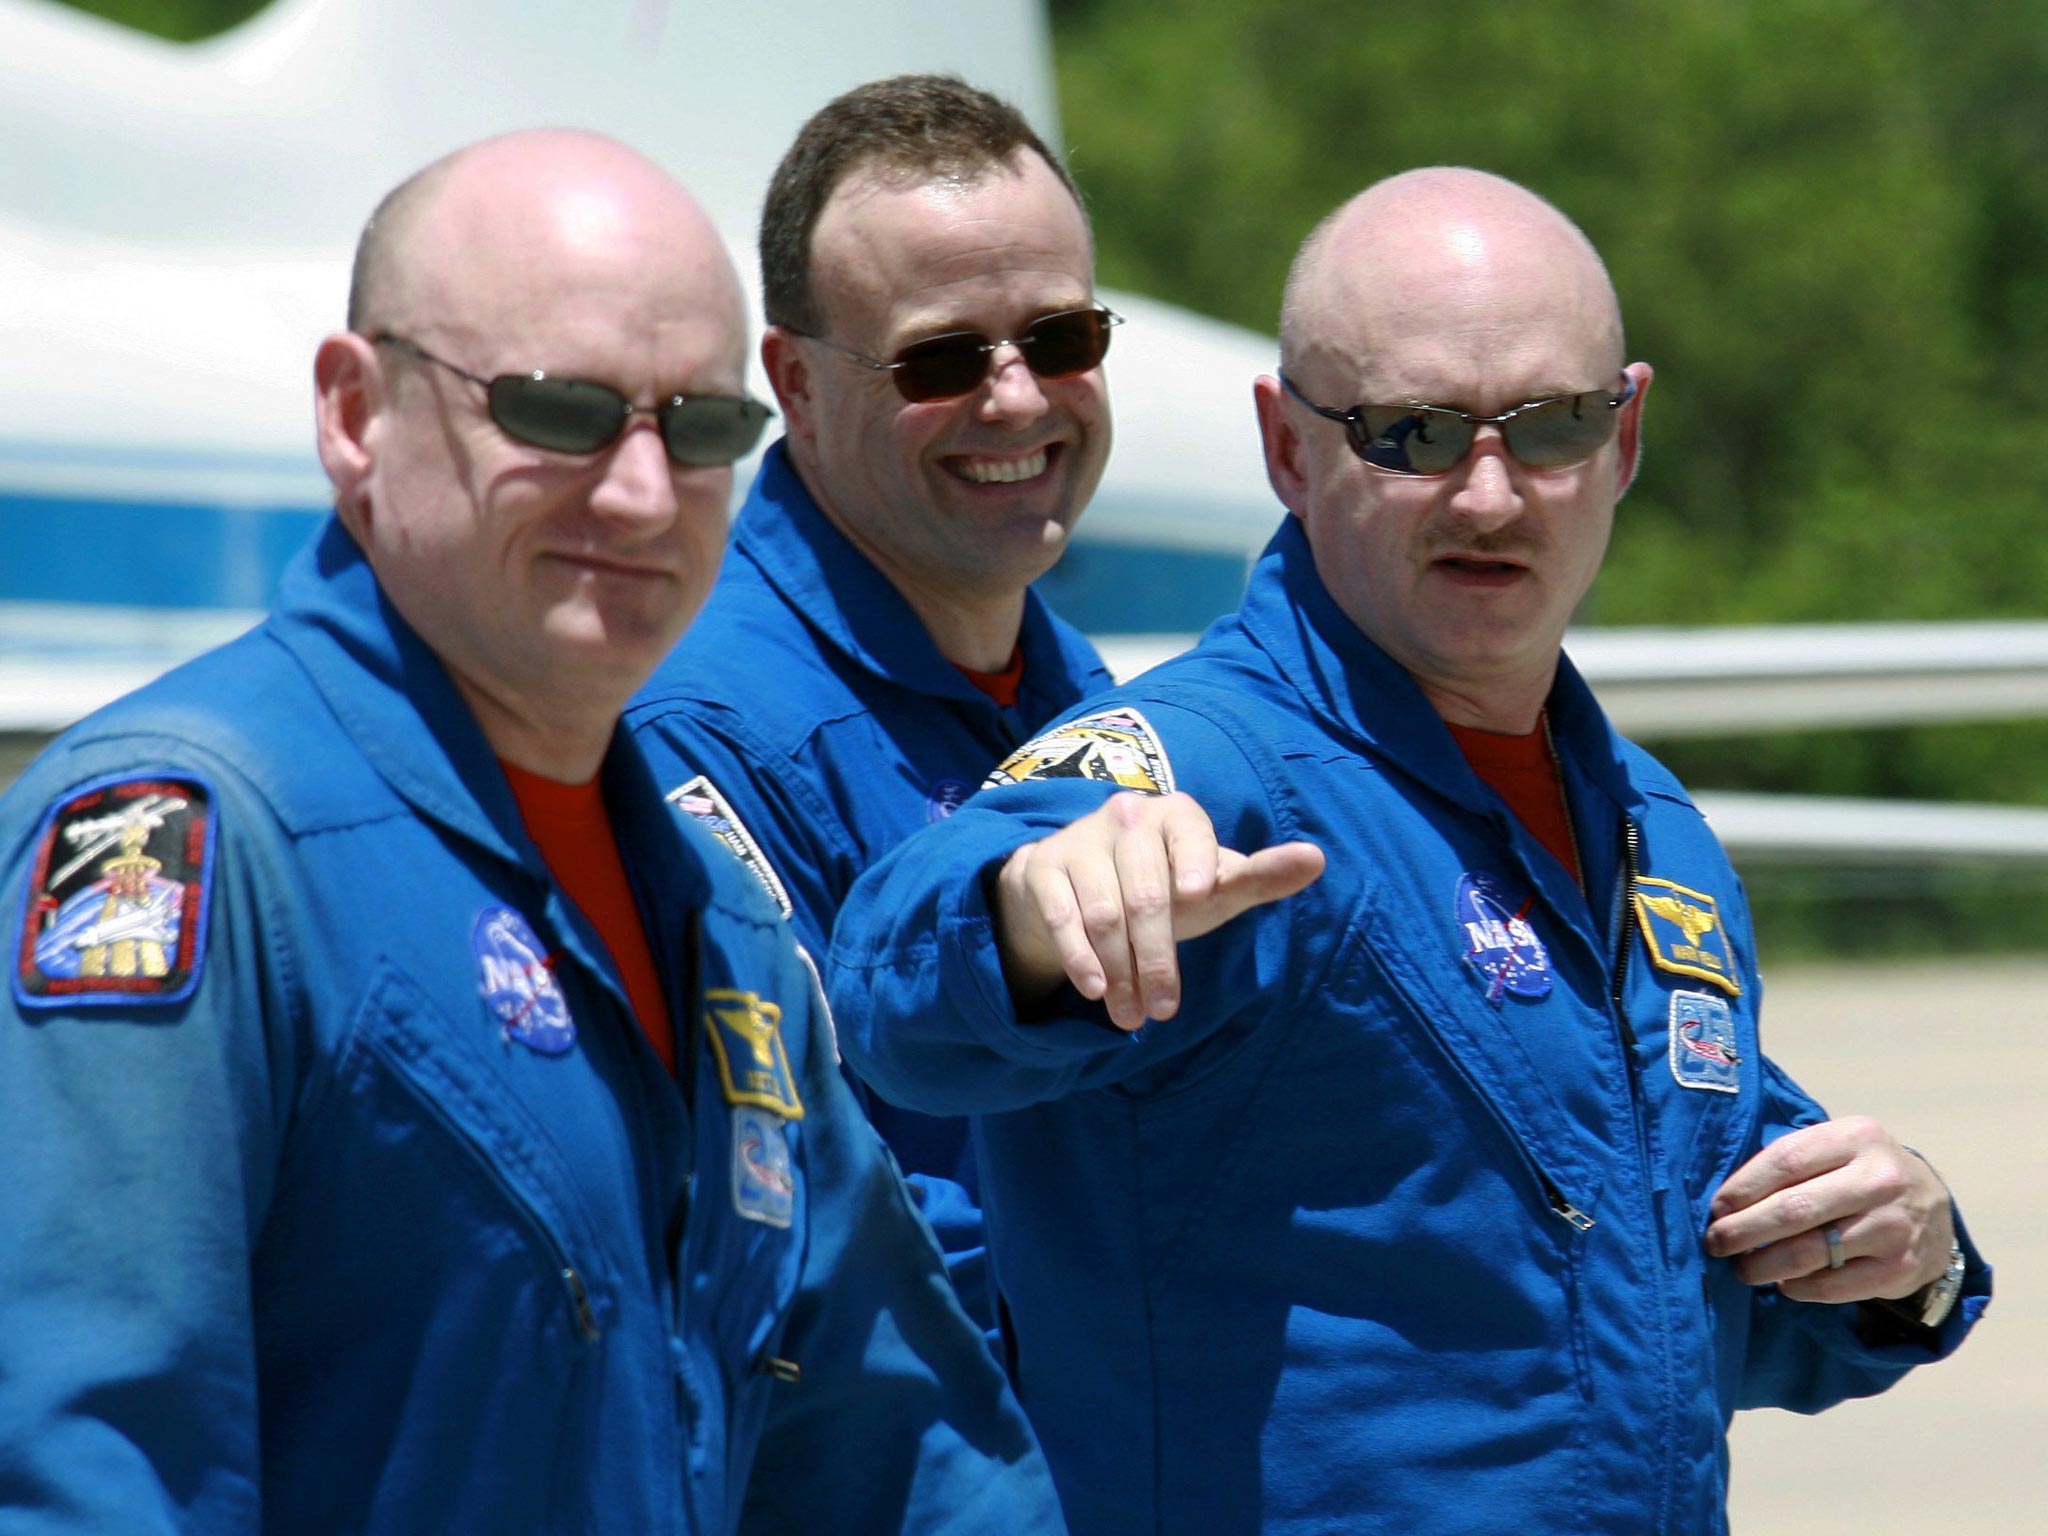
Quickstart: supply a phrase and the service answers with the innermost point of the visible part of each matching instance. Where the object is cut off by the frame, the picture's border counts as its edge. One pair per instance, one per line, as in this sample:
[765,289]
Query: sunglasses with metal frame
[944,367]
[1434,439]
[579,416]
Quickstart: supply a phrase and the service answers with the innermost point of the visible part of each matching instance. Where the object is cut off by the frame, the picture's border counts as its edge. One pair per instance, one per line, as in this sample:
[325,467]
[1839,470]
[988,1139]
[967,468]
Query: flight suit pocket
[507,1151]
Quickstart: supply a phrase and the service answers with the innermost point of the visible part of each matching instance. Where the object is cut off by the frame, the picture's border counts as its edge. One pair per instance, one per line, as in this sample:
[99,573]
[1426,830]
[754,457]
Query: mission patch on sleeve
[118,890]
[701,801]
[1117,746]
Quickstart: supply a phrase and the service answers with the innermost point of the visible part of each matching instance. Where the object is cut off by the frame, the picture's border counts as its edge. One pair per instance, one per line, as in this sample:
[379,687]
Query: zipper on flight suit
[1631,867]
[572,1282]
[578,1293]
[1560,1204]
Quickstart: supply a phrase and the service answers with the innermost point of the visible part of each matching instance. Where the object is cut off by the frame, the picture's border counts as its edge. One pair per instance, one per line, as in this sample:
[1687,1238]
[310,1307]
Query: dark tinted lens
[1055,346]
[1417,441]
[705,431]
[941,367]
[1561,431]
[568,415]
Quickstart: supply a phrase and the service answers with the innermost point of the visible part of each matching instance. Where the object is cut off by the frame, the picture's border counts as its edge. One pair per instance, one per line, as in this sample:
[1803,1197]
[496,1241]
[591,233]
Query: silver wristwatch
[1942,1292]
[1941,1295]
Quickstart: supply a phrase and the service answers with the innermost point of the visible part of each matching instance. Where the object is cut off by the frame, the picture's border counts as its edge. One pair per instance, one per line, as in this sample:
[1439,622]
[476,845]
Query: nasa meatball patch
[1496,939]
[517,978]
[118,893]
[1117,747]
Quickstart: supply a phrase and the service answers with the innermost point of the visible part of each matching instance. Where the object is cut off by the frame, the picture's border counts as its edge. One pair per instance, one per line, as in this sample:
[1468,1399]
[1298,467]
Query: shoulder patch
[1683,933]
[1117,746]
[118,895]
[701,801]
[746,1038]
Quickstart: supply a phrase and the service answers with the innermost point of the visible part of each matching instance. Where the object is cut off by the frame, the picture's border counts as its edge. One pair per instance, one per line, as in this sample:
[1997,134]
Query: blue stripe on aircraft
[72,549]
[194,554]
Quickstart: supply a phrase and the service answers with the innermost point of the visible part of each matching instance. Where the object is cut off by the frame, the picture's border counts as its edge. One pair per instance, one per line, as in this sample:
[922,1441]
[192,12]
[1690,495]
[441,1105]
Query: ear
[789,374]
[1630,434]
[348,397]
[1286,470]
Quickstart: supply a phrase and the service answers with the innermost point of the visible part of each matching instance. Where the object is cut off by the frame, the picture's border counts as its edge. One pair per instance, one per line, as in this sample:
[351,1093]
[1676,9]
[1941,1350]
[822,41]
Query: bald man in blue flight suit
[1448,1189]
[873,646]
[411,1123]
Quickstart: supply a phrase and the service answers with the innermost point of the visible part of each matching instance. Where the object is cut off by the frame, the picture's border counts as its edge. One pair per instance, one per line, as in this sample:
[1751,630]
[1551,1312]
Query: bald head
[496,212]
[1468,260]
[1454,290]
[547,564]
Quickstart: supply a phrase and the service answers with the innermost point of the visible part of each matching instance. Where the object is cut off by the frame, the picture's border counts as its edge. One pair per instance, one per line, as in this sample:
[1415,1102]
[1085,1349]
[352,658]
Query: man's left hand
[1889,1211]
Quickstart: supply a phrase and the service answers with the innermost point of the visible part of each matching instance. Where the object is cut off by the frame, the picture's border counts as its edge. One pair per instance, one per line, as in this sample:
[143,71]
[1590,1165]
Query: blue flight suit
[1397,1224]
[341,1191]
[810,696]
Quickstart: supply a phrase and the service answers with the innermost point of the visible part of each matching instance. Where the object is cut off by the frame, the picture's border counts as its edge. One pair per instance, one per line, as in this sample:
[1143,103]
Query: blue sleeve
[136,1163]
[808,856]
[917,983]
[1806,1356]
[901,1420]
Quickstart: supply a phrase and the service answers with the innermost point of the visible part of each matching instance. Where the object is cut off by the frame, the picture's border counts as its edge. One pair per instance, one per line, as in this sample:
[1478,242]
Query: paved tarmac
[1954,1059]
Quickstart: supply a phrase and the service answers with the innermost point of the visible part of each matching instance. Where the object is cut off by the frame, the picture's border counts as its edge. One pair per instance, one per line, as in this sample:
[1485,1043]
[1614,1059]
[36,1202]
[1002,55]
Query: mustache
[1514,544]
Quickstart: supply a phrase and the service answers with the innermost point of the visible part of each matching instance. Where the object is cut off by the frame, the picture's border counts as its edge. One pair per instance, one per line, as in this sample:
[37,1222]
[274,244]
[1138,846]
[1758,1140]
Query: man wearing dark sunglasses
[1444,1186]
[411,1124]
[873,646]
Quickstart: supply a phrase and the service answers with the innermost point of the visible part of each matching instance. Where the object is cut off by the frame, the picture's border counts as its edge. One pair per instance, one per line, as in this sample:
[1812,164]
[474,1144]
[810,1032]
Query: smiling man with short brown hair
[874,645]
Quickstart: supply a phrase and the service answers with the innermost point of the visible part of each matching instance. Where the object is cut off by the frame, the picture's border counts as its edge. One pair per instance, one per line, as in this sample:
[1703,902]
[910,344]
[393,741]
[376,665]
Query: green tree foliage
[1828,221]
[1800,202]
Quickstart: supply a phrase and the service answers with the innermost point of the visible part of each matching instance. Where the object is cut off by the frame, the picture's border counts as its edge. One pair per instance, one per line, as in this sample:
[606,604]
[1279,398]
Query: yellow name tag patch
[1683,933]
[746,1038]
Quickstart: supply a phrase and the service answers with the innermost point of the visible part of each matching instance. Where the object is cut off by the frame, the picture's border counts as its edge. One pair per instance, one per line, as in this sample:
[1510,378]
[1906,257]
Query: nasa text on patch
[118,895]
[1683,931]
[701,801]
[516,977]
[1117,746]
[1704,1053]
[746,1038]
[1496,938]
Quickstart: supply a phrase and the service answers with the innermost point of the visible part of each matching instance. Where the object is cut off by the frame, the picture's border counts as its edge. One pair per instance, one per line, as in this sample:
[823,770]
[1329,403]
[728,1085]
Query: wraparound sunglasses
[579,416]
[1434,439]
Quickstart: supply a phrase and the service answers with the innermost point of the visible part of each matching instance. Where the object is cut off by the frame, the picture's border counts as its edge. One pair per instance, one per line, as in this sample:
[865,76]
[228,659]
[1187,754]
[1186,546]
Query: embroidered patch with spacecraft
[1117,746]
[517,981]
[1497,940]
[1703,1044]
[746,1038]
[701,801]
[118,895]
[763,1177]
[1682,930]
